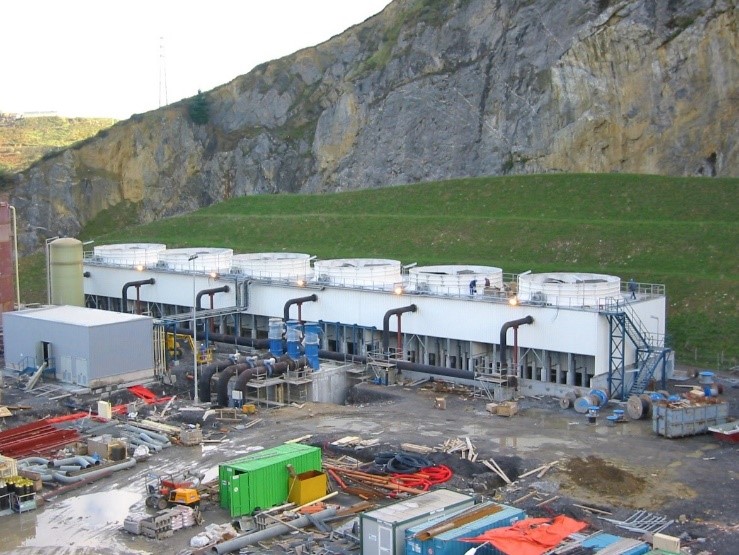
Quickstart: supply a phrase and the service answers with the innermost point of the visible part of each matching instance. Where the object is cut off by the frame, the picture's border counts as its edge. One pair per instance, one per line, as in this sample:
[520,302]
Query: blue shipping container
[601,541]
[448,543]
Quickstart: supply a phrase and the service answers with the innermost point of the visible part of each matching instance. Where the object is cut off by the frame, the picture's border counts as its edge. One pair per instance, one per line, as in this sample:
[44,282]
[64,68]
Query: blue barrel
[312,344]
[292,334]
[705,377]
[674,398]
[593,413]
[275,336]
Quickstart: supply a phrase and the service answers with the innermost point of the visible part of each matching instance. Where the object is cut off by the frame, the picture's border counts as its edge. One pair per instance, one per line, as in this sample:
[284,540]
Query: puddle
[83,521]
[349,425]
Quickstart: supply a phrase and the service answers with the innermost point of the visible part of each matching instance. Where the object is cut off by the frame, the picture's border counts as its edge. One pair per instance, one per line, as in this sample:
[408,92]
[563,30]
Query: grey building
[83,346]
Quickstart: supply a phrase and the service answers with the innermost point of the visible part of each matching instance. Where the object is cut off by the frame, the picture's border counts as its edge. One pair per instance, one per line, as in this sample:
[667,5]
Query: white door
[385,541]
[64,371]
[80,367]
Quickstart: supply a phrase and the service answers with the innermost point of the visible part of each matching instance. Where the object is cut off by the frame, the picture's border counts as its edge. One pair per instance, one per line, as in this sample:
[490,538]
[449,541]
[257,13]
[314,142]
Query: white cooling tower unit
[273,265]
[374,273]
[565,289]
[197,259]
[454,279]
[129,254]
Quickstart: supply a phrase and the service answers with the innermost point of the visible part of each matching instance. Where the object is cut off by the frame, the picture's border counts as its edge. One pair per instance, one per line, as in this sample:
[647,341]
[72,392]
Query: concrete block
[668,543]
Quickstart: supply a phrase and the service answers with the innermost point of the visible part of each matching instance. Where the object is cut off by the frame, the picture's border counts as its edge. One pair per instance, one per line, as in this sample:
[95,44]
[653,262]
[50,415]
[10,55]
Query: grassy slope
[681,232]
[25,140]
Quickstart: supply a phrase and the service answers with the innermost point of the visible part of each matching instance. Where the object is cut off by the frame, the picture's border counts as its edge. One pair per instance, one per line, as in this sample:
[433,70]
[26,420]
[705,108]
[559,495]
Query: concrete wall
[330,384]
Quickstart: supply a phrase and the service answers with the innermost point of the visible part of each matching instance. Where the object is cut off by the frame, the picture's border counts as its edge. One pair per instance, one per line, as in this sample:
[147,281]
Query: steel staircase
[651,354]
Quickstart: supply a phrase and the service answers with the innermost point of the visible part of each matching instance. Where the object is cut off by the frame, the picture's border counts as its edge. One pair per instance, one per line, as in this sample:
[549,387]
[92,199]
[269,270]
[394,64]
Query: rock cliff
[425,90]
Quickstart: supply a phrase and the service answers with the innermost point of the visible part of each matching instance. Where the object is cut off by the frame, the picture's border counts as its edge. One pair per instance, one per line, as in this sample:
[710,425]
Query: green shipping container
[261,480]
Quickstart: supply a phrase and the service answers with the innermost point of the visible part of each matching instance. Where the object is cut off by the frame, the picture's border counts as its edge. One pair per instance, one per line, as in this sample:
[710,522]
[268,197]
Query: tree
[199,109]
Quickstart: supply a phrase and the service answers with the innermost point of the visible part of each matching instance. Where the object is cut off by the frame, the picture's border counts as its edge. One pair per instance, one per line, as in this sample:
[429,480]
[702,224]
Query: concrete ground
[617,468]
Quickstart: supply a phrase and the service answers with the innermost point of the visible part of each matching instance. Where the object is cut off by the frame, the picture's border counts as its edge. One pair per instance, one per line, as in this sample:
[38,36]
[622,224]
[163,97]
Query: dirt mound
[601,477]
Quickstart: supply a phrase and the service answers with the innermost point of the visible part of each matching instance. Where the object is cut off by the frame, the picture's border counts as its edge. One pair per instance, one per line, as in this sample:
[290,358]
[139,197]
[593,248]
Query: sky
[115,58]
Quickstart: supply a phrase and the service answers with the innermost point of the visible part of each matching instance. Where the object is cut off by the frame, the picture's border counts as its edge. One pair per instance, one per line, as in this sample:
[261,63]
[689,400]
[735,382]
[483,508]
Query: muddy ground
[615,468]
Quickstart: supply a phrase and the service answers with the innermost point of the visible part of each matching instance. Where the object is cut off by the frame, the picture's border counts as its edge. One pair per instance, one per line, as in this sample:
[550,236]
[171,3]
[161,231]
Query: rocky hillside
[428,89]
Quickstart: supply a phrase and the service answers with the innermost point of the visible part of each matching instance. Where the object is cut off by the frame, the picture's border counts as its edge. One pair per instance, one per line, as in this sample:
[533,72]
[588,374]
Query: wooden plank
[413,448]
[591,509]
[547,501]
[523,498]
[299,439]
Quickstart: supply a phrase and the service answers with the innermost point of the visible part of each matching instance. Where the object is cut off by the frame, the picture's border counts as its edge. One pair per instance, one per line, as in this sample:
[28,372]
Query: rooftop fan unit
[538,297]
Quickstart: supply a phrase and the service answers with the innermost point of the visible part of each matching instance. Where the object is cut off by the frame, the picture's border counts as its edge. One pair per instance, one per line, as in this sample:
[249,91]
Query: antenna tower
[162,74]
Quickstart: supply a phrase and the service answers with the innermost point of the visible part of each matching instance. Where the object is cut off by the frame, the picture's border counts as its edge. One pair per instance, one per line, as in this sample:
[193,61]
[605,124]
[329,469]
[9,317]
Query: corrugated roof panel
[79,316]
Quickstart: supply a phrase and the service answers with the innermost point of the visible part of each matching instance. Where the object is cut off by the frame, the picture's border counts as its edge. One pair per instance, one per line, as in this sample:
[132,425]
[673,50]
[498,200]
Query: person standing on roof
[632,288]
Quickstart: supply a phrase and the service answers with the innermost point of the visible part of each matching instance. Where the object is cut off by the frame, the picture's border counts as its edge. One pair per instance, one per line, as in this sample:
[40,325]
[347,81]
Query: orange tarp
[531,536]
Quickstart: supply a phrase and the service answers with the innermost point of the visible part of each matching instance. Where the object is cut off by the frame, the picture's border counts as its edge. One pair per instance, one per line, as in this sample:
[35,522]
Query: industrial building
[89,348]
[550,330]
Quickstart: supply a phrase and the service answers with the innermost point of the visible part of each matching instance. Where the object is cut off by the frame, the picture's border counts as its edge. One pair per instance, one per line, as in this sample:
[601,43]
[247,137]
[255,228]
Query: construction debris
[464,447]
[642,522]
[492,465]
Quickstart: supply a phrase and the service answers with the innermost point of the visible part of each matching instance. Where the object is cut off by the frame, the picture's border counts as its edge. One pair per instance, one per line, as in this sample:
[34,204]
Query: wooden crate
[509,408]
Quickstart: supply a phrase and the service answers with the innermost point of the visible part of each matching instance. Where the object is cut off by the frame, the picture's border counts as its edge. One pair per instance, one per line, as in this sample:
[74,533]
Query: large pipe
[136,284]
[77,459]
[159,438]
[33,460]
[386,323]
[222,338]
[343,357]
[59,477]
[205,377]
[299,301]
[199,296]
[404,365]
[271,532]
[278,369]
[504,331]
[223,379]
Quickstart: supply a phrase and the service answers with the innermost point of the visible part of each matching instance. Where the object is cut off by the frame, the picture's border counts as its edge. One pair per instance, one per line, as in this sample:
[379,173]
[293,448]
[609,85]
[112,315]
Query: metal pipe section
[404,365]
[124,293]
[222,338]
[504,331]
[272,531]
[78,460]
[199,296]
[99,473]
[203,384]
[224,377]
[386,323]
[274,371]
[298,301]
[33,461]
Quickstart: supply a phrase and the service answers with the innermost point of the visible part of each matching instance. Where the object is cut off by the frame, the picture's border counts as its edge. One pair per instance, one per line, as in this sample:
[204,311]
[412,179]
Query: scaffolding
[382,368]
[279,391]
[493,385]
[298,384]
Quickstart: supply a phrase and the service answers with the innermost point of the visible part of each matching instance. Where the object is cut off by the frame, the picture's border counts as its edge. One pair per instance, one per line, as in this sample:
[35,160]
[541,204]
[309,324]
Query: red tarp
[531,536]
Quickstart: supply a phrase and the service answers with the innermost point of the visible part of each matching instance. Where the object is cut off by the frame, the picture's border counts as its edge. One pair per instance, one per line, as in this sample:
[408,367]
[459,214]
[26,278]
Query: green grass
[25,140]
[681,232]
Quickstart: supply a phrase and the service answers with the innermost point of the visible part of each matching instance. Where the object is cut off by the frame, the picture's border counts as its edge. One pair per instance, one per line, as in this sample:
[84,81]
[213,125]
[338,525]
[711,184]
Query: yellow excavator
[175,342]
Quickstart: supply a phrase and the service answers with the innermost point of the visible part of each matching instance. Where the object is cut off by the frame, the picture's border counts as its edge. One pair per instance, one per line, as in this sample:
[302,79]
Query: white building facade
[585,330]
